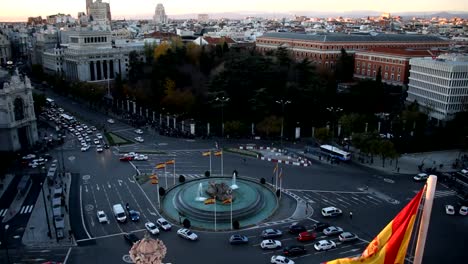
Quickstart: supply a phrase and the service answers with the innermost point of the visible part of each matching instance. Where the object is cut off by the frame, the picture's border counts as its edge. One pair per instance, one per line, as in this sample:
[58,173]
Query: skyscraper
[160,15]
[98,11]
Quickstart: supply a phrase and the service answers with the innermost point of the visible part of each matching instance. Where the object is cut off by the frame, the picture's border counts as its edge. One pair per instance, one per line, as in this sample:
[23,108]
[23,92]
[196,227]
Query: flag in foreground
[208,153]
[160,166]
[218,153]
[275,169]
[389,247]
[169,162]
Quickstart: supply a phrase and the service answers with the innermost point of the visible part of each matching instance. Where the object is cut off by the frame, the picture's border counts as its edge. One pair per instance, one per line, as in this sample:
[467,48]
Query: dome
[148,251]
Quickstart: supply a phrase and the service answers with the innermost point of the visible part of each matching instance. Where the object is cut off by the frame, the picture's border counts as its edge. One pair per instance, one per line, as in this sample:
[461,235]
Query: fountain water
[200,197]
[234,185]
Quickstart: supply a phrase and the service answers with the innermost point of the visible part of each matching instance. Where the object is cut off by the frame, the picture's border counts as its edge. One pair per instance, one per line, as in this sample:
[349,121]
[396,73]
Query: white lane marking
[130,180]
[68,254]
[30,209]
[133,196]
[86,188]
[22,209]
[349,251]
[147,198]
[120,182]
[110,205]
[136,169]
[108,185]
[82,215]
[4,212]
[97,187]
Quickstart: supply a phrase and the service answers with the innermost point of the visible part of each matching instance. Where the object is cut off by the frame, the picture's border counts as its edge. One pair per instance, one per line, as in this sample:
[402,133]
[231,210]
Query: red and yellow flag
[389,247]
[160,165]
[218,153]
[205,154]
[281,173]
[170,162]
[275,169]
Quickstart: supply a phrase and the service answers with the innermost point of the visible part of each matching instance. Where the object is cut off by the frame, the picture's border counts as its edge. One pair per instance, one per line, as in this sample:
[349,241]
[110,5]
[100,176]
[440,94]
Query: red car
[126,158]
[307,236]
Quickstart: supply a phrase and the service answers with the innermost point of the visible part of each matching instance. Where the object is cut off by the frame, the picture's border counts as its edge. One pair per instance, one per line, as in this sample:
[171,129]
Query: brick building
[393,62]
[324,49]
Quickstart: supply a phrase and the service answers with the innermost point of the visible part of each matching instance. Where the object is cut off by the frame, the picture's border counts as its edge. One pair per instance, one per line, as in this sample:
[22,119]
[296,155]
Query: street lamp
[222,100]
[282,103]
[6,243]
[334,111]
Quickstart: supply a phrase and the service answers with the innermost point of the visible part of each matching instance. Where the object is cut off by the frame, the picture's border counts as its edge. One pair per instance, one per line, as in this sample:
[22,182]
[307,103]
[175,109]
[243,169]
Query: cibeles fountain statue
[219,191]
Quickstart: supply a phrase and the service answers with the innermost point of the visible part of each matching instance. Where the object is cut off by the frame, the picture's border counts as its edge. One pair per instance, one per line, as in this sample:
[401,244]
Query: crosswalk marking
[30,209]
[439,194]
[26,209]
[3,212]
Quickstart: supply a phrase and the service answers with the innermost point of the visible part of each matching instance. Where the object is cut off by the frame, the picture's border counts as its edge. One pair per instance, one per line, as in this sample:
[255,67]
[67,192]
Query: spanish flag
[281,173]
[218,153]
[275,169]
[389,247]
[160,165]
[205,154]
[210,201]
[170,162]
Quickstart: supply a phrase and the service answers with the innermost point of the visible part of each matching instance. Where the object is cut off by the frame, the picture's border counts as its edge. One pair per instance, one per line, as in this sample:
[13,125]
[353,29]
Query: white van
[331,211]
[119,213]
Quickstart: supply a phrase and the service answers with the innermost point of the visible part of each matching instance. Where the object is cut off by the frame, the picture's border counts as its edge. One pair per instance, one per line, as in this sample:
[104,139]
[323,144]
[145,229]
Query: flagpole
[276,178]
[215,212]
[174,171]
[165,176]
[159,201]
[231,212]
[425,219]
[222,157]
[210,164]
[281,182]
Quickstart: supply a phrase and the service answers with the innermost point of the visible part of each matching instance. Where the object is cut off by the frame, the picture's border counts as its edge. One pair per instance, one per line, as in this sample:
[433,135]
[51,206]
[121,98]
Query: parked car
[164,224]
[324,245]
[98,135]
[449,209]
[347,237]
[307,236]
[140,157]
[152,228]
[271,233]
[331,211]
[126,158]
[84,148]
[296,228]
[320,226]
[139,131]
[99,148]
[238,239]
[420,177]
[187,234]
[332,230]
[110,121]
[139,139]
[281,260]
[96,141]
[270,244]
[294,250]
[131,238]
[463,210]
[102,217]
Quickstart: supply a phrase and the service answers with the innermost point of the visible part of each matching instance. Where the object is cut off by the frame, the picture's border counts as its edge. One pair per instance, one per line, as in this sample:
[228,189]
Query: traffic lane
[35,255]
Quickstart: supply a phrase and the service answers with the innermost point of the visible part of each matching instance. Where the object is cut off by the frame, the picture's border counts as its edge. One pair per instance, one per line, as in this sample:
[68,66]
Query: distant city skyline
[19,10]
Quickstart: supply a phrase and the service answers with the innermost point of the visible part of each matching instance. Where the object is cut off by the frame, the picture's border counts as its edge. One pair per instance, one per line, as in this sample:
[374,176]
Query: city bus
[335,152]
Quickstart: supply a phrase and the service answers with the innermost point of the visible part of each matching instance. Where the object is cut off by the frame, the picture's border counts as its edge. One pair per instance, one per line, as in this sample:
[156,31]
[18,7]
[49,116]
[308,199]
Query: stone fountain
[200,197]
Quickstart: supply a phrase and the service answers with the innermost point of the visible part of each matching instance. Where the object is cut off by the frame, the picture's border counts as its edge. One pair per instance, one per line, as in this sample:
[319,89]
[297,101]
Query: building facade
[203,18]
[18,128]
[324,49]
[5,49]
[440,85]
[99,11]
[52,61]
[393,63]
[160,16]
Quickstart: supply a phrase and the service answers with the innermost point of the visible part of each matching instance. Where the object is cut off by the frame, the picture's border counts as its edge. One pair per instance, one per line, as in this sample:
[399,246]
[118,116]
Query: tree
[234,128]
[162,191]
[149,51]
[344,67]
[135,67]
[161,50]
[378,76]
[323,134]
[39,103]
[386,150]
[181,178]
[269,125]
[236,224]
[187,223]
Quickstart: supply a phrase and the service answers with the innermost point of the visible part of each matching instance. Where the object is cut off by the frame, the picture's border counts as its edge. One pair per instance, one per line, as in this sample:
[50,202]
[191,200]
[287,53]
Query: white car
[29,156]
[102,217]
[449,209]
[463,210]
[281,260]
[324,245]
[164,224]
[140,157]
[93,128]
[332,230]
[331,211]
[420,177]
[85,148]
[99,148]
[110,121]
[139,131]
[187,234]
[98,135]
[96,141]
[270,244]
[139,139]
[152,228]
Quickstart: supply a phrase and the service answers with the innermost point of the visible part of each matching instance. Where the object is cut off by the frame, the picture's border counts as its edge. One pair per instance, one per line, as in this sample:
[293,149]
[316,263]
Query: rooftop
[401,52]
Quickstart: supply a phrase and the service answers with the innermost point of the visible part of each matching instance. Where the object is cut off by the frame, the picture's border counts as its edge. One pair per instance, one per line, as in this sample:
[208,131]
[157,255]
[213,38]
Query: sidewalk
[5,182]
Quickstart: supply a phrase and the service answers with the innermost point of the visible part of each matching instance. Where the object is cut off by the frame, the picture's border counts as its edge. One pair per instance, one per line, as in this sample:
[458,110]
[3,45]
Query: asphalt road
[104,181]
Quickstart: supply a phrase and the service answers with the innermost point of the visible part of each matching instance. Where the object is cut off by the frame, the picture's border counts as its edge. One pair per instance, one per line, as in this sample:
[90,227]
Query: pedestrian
[350,215]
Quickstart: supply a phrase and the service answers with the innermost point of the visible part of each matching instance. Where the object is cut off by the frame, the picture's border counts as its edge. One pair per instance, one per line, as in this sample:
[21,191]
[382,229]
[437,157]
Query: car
[139,139]
[161,222]
[306,236]
[187,234]
[140,157]
[29,156]
[449,209]
[93,128]
[102,217]
[420,177]
[347,237]
[131,237]
[152,228]
[99,135]
[85,148]
[463,210]
[134,215]
[106,146]
[331,211]
[320,226]
[296,228]
[238,239]
[281,260]
[99,148]
[332,230]
[96,141]
[324,245]
[87,139]
[80,138]
[110,121]
[126,158]
[139,131]
[270,244]
[271,233]
[294,250]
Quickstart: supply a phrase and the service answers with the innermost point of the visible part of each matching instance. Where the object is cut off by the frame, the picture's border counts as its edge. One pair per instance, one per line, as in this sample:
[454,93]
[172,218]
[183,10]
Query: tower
[88,5]
[160,16]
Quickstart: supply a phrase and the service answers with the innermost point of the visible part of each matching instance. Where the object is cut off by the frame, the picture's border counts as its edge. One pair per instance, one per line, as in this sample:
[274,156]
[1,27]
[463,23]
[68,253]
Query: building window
[386,67]
[393,68]
[399,69]
[386,76]
[398,77]
[19,109]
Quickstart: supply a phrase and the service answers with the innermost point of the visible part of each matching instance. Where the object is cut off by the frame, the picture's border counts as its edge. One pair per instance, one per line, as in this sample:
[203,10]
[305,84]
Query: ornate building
[5,48]
[98,12]
[160,16]
[17,119]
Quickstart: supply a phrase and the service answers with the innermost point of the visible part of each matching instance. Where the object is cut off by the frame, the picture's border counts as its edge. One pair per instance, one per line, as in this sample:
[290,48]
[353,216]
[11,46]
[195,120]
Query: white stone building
[160,16]
[52,61]
[98,12]
[5,49]
[440,85]
[18,128]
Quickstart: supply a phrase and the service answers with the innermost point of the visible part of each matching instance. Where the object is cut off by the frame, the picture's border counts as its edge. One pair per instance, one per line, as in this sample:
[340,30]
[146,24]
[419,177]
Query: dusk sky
[19,10]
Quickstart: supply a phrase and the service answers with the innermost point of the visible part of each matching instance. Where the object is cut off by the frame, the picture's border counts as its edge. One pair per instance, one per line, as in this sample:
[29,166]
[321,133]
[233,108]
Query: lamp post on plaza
[282,102]
[223,100]
[334,111]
